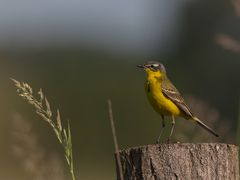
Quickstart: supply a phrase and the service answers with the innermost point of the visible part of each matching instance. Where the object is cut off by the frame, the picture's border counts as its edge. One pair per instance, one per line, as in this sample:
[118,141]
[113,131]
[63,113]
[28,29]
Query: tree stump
[203,161]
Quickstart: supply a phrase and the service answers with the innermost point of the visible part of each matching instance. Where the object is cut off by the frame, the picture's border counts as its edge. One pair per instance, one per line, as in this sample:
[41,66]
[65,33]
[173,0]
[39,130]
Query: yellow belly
[159,102]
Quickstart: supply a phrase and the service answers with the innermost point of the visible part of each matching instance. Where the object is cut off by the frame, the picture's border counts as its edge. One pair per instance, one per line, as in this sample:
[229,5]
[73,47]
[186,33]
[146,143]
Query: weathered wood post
[204,161]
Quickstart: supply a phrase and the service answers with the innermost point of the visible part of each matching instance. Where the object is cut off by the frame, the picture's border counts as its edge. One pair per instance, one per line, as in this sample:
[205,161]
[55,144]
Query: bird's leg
[161,131]
[173,124]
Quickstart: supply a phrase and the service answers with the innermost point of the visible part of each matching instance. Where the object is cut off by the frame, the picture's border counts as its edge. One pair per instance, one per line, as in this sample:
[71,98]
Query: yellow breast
[159,102]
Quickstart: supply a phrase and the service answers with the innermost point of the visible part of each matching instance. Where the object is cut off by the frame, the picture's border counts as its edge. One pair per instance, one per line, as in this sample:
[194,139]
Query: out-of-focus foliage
[32,156]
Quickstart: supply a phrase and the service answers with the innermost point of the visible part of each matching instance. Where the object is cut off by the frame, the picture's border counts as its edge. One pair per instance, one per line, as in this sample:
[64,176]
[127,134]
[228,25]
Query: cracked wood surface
[203,161]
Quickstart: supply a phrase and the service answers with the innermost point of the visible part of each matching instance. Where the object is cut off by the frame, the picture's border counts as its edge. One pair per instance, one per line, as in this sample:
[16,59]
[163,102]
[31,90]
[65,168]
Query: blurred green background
[82,53]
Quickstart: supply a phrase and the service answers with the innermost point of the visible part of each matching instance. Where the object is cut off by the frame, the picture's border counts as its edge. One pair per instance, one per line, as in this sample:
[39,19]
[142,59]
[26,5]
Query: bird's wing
[171,92]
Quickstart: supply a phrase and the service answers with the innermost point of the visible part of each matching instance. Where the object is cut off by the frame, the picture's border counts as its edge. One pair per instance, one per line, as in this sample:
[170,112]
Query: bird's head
[153,68]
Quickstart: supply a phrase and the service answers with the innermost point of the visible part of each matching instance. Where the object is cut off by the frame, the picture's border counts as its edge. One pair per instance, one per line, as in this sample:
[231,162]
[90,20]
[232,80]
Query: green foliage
[43,109]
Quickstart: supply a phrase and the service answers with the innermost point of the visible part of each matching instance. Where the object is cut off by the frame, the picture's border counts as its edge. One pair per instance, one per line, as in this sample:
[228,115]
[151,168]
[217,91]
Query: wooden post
[202,161]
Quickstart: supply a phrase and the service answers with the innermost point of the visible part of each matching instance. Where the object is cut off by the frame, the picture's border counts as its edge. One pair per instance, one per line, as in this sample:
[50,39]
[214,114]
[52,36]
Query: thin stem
[71,153]
[238,124]
[115,139]
[72,174]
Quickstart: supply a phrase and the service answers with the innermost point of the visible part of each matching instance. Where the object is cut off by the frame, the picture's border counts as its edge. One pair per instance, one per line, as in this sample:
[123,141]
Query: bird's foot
[158,142]
[168,141]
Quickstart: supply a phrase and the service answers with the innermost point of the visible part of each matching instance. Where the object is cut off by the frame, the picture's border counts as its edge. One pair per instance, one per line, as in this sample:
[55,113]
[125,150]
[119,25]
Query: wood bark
[203,161]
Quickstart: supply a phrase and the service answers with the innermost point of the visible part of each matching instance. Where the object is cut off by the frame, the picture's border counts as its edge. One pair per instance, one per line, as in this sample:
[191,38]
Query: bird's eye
[154,65]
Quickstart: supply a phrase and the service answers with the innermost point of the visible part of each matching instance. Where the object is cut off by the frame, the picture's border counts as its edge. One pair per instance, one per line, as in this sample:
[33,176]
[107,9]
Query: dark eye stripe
[153,68]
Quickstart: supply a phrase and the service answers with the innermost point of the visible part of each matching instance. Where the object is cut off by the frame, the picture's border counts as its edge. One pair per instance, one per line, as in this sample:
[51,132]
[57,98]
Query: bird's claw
[168,141]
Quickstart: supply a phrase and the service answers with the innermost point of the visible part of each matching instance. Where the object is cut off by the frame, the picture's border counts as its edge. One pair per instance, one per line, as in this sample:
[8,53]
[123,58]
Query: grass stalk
[43,109]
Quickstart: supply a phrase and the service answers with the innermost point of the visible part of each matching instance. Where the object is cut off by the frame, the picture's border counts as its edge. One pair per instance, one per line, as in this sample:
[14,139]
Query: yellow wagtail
[165,98]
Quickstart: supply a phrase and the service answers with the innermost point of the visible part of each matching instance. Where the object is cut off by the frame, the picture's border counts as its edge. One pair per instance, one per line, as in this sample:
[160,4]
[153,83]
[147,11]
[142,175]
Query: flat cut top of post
[186,145]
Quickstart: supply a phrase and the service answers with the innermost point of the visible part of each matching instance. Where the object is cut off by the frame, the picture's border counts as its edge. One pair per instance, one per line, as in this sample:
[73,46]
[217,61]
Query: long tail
[205,126]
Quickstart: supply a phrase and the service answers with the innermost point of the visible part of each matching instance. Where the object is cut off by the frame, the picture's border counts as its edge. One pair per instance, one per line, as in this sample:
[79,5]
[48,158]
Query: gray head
[154,66]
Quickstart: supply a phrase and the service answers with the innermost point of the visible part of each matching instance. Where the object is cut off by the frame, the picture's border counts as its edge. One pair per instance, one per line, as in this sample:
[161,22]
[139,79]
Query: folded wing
[171,92]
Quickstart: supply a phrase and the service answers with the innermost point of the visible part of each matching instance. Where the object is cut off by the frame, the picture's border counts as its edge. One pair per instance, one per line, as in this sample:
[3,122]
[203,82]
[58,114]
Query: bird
[166,99]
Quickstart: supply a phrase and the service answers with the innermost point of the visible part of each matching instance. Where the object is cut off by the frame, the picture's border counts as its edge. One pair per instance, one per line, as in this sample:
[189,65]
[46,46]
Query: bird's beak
[140,66]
